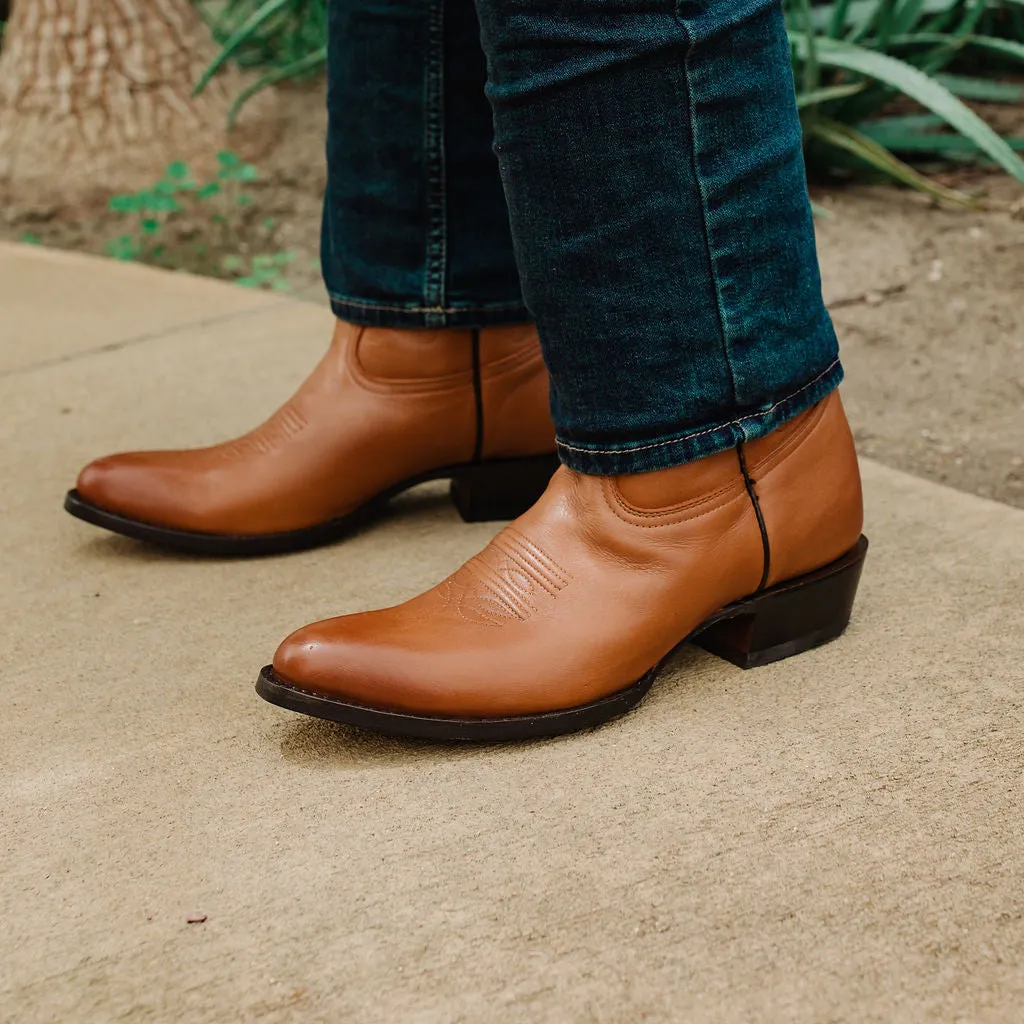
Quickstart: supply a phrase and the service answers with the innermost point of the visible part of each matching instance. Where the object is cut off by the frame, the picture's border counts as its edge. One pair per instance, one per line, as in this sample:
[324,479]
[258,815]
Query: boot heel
[789,618]
[502,488]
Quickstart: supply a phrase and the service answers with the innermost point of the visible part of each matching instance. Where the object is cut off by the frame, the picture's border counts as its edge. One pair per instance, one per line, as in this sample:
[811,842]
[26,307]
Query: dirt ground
[927,303]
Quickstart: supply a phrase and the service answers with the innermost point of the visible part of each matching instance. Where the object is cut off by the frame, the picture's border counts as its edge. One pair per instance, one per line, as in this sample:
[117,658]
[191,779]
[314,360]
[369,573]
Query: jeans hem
[380,314]
[665,452]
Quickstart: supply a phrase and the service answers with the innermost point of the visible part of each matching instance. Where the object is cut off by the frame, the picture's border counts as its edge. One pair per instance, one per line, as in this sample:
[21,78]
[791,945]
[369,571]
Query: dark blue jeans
[647,207]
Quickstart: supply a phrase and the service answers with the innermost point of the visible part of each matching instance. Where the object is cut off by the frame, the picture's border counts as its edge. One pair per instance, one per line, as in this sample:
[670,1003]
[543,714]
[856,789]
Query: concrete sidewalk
[835,838]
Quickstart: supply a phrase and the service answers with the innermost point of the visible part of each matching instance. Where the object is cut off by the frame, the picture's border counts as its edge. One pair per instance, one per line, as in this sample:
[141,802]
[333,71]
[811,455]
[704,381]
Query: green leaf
[124,248]
[178,171]
[243,34]
[156,202]
[125,204]
[208,190]
[228,160]
[30,238]
[837,19]
[828,93]
[318,58]
[981,89]
[859,145]
[150,227]
[811,76]
[1004,47]
[918,86]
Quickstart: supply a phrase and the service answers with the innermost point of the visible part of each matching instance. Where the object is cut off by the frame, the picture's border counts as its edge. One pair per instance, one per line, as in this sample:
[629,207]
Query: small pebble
[195,918]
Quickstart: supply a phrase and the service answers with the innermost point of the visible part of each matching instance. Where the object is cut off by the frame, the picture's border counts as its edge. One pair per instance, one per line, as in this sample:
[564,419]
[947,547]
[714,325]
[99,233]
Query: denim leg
[415,229]
[650,153]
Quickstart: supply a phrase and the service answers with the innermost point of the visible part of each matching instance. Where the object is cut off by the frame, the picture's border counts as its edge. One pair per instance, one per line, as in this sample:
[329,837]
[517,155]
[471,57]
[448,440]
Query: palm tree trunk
[95,98]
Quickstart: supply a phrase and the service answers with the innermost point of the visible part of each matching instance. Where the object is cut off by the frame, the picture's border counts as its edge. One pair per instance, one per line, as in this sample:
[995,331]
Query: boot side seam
[761,525]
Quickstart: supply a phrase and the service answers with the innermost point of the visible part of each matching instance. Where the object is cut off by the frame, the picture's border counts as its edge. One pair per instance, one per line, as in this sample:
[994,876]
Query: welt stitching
[701,433]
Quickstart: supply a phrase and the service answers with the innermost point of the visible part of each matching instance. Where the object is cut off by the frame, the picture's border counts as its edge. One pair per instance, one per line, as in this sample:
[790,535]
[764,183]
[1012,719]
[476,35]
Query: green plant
[180,223]
[852,58]
[287,39]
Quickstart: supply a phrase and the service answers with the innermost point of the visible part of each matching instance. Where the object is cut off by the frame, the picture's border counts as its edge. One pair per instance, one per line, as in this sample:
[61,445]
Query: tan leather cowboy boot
[564,619]
[384,410]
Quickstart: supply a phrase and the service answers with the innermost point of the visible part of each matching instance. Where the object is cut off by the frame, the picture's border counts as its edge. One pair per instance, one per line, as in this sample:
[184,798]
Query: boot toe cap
[136,485]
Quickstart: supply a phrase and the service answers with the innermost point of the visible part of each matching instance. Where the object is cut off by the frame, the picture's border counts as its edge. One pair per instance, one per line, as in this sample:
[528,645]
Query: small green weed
[184,224]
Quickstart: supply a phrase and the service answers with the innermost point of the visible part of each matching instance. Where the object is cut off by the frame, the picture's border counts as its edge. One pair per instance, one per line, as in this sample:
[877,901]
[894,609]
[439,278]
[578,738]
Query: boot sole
[787,619]
[481,491]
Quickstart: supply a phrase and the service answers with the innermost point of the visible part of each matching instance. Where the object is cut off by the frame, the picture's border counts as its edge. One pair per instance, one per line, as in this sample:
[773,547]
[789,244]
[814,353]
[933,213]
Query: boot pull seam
[748,482]
[478,396]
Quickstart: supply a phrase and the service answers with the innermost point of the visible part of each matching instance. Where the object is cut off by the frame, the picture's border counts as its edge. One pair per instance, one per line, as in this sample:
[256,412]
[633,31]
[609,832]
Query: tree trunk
[96,98]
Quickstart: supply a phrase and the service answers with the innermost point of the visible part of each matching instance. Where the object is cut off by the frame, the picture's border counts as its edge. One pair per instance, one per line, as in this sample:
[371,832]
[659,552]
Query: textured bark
[95,98]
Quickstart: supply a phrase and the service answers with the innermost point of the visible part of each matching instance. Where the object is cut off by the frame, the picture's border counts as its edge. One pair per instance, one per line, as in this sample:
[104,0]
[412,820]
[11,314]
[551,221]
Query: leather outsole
[779,622]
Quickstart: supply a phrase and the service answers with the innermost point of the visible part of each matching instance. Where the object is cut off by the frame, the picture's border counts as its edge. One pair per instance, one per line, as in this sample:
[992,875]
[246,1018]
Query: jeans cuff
[665,452]
[382,314]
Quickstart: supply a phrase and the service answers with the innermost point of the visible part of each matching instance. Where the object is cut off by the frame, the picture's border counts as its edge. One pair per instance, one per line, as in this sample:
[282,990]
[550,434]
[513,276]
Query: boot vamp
[333,447]
[575,601]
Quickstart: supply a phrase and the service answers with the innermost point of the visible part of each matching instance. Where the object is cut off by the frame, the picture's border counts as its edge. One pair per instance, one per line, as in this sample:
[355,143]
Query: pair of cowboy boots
[564,619]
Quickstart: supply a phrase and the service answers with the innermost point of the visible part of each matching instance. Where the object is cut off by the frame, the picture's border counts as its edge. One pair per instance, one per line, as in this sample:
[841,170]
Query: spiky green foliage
[852,58]
[284,39]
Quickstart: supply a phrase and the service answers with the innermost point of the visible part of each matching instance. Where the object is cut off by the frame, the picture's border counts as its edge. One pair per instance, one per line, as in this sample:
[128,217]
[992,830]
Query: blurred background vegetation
[910,91]
[854,61]
[884,86]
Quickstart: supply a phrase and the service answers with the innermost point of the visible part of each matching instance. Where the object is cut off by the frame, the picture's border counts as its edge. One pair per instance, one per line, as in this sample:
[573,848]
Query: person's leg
[434,369]
[650,154]
[416,230]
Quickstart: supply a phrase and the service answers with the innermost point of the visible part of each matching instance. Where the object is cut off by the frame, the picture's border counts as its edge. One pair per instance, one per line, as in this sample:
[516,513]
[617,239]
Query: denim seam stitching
[701,433]
[435,266]
[425,309]
[723,323]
